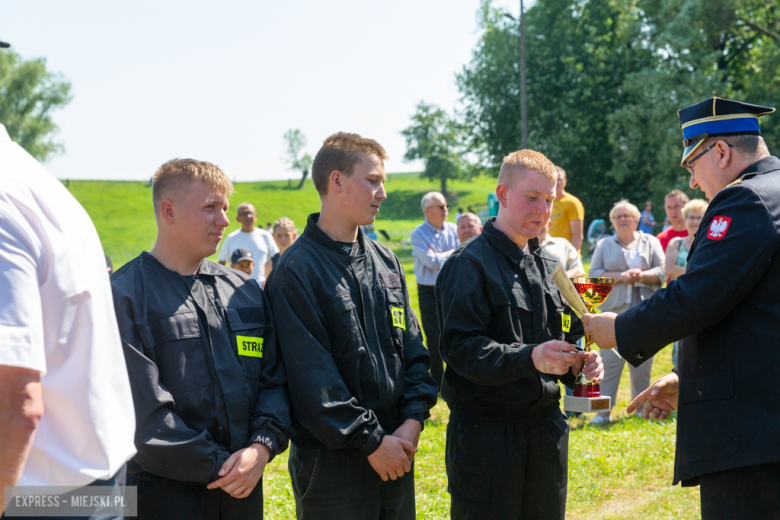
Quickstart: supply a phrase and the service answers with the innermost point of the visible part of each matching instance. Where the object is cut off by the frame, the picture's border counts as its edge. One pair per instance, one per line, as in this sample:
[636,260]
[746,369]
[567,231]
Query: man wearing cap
[726,309]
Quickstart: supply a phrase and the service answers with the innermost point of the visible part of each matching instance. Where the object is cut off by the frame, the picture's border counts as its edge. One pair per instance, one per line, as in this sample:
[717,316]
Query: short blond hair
[525,160]
[170,178]
[623,204]
[694,205]
[284,223]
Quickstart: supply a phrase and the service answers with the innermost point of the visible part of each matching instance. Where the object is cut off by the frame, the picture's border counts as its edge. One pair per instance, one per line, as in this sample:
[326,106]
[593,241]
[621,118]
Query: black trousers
[164,501]
[341,485]
[745,493]
[430,325]
[507,471]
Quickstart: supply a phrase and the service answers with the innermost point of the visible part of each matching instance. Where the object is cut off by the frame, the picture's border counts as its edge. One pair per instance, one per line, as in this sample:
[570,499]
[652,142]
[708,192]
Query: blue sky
[222,81]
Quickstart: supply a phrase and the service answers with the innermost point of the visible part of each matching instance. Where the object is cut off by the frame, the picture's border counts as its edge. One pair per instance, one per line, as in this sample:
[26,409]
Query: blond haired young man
[210,402]
[507,340]
[358,372]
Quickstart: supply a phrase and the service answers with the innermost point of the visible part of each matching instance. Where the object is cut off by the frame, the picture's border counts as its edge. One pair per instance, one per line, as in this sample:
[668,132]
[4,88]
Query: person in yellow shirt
[568,213]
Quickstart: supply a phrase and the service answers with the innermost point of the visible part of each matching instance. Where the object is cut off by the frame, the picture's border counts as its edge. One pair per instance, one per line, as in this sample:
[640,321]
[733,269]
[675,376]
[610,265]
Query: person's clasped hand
[242,471]
[391,460]
[659,400]
[631,276]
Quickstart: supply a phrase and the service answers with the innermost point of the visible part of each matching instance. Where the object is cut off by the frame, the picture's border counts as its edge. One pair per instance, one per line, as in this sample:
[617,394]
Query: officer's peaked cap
[716,116]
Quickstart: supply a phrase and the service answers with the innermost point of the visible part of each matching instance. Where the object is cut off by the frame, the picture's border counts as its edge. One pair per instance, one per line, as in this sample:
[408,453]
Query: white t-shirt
[259,241]
[57,317]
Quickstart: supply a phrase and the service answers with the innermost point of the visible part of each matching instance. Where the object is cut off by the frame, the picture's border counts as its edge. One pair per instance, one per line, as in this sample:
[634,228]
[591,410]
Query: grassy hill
[123,214]
[619,472]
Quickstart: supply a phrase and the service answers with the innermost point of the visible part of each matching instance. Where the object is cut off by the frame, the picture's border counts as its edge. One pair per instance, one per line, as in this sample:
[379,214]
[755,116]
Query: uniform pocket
[472,488]
[303,466]
[522,312]
[342,326]
[247,337]
[701,399]
[178,352]
[397,319]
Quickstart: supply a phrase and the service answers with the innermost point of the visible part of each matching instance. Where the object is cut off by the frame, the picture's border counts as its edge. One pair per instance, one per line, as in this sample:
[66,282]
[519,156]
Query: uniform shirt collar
[314,232]
[505,246]
[4,138]
[207,267]
[767,164]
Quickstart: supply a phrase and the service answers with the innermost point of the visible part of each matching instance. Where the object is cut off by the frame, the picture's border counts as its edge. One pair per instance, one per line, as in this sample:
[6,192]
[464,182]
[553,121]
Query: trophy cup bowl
[587,395]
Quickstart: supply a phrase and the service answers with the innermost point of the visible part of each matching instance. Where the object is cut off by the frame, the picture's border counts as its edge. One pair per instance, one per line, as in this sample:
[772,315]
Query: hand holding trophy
[584,295]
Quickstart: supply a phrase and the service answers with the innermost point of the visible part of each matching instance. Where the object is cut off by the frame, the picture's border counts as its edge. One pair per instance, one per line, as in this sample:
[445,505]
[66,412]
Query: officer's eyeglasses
[440,206]
[689,164]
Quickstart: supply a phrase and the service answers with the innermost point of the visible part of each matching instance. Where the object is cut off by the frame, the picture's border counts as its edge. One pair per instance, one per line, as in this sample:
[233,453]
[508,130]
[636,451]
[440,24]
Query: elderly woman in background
[679,247]
[636,261]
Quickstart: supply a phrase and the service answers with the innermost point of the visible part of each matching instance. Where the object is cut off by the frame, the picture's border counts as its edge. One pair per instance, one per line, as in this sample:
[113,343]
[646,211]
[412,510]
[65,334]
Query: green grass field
[619,472]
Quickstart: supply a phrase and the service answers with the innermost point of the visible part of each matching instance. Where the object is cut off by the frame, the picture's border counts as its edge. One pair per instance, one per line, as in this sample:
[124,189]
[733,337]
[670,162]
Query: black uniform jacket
[495,304]
[193,349]
[355,361]
[727,307]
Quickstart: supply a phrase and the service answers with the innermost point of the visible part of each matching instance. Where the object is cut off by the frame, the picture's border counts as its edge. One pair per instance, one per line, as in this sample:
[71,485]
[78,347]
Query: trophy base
[573,403]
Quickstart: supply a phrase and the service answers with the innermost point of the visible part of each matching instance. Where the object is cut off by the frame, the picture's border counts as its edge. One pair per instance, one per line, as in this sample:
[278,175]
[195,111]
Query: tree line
[605,81]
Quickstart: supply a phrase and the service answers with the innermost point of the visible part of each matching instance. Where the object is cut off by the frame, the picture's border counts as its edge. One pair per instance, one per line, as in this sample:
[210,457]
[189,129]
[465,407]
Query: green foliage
[296,141]
[605,81]
[436,139]
[123,215]
[28,95]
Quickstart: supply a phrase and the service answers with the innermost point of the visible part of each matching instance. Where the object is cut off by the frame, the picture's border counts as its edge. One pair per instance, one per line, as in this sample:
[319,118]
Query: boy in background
[243,260]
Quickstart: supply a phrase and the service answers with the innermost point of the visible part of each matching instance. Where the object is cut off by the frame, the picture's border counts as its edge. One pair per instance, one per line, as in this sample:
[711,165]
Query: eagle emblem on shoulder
[718,228]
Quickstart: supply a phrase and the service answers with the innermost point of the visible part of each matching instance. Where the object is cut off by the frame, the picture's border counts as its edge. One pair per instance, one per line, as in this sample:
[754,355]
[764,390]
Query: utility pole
[523,100]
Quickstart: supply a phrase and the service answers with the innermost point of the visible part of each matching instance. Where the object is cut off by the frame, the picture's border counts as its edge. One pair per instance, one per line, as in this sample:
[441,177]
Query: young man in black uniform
[504,338]
[210,399]
[358,372]
[726,309]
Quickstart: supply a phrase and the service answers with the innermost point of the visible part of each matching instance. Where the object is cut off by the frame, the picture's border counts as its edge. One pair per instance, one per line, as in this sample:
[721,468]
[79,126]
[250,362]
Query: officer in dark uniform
[726,309]
[358,371]
[504,332]
[210,399]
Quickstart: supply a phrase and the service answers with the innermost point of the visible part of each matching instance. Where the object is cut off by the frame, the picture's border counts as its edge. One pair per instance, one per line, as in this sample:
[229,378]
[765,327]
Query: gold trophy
[584,295]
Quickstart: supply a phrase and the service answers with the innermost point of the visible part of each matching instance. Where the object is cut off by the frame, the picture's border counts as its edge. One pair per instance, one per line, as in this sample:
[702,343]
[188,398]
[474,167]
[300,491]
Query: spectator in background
[562,250]
[568,213]
[673,204]
[636,261]
[469,225]
[370,233]
[458,215]
[433,242]
[257,240]
[284,235]
[242,260]
[646,221]
[268,226]
[665,225]
[679,247]
[65,400]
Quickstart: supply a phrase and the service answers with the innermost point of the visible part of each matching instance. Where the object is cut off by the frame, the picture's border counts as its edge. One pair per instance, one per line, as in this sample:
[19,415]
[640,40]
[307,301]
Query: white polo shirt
[259,241]
[57,317]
